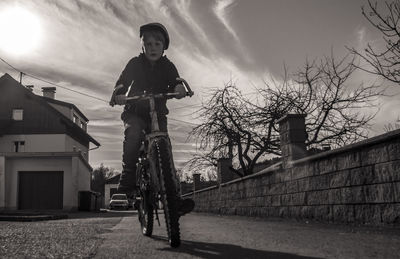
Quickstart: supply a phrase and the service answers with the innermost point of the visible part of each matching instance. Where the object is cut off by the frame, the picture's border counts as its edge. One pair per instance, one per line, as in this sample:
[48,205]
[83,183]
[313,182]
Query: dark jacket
[157,78]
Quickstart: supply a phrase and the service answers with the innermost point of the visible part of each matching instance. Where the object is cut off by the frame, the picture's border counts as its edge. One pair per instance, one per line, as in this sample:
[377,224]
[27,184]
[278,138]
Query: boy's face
[153,49]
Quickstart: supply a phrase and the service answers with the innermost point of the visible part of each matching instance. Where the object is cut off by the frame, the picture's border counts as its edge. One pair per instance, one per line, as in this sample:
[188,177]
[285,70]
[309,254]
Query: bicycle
[156,175]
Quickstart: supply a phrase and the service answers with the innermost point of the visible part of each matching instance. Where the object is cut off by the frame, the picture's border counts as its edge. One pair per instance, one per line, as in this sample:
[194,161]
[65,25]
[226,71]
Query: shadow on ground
[218,250]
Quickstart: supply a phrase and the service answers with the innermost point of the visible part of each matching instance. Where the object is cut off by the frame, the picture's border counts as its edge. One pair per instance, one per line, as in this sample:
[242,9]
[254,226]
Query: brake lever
[112,101]
[190,93]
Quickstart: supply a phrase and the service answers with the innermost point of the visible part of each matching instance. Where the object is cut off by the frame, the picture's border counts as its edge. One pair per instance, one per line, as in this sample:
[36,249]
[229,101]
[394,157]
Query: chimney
[30,87]
[196,181]
[224,173]
[49,92]
[292,131]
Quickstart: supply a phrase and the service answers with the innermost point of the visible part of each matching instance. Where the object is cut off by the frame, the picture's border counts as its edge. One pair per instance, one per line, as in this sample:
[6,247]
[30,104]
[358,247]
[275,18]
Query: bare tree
[384,61]
[228,130]
[99,176]
[246,130]
[337,112]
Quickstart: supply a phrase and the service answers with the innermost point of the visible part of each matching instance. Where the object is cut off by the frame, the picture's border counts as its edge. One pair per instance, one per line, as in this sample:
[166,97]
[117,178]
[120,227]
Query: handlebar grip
[189,93]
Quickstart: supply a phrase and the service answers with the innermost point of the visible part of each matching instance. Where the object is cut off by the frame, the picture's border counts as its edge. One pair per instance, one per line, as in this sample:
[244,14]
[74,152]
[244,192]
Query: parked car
[120,201]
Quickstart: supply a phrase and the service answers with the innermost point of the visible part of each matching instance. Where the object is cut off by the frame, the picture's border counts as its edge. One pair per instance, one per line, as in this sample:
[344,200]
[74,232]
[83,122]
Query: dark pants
[135,128]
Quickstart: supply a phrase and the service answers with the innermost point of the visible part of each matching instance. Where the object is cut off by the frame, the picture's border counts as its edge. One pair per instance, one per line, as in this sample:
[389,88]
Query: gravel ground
[76,237]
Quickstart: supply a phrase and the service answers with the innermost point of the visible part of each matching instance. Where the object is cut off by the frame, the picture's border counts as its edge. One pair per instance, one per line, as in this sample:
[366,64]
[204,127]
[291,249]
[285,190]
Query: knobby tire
[145,210]
[146,214]
[169,193]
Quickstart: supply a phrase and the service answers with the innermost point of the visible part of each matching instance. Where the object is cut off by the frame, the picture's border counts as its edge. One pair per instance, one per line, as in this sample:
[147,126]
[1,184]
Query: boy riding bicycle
[154,73]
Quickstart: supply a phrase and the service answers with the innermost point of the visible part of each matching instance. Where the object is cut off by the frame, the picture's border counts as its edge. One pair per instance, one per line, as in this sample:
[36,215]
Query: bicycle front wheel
[163,163]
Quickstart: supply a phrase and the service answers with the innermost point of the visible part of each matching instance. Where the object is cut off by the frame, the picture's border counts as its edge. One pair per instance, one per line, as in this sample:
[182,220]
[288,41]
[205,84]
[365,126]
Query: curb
[30,218]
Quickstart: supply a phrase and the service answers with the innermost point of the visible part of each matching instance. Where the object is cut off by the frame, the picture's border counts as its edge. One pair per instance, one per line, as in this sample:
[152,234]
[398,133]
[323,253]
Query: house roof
[69,105]
[72,129]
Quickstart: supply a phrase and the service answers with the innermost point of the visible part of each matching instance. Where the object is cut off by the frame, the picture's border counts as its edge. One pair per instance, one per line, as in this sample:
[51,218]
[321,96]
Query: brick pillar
[196,181]
[2,182]
[292,131]
[224,174]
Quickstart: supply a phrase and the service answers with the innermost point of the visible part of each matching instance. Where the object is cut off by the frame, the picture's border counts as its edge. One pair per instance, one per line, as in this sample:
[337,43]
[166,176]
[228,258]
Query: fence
[359,183]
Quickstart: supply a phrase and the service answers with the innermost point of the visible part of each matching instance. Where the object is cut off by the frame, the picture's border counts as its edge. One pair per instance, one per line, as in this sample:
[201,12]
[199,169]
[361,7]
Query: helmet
[156,27]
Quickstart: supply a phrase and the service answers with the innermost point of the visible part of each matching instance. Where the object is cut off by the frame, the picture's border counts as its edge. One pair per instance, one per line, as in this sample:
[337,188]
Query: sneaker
[186,206]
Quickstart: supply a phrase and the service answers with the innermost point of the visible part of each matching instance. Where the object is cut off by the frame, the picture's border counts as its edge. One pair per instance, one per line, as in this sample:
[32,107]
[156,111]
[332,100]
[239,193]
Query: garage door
[40,190]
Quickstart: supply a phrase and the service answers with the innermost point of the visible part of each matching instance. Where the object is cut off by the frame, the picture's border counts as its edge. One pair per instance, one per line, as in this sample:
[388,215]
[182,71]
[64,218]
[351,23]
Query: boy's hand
[115,99]
[181,90]
[120,99]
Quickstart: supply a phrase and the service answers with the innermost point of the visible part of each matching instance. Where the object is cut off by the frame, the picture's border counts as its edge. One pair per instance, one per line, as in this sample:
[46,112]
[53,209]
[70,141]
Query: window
[19,146]
[18,114]
[83,125]
[76,119]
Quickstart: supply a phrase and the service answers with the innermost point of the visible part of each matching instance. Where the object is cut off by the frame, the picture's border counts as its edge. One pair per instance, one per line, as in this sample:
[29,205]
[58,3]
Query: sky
[84,45]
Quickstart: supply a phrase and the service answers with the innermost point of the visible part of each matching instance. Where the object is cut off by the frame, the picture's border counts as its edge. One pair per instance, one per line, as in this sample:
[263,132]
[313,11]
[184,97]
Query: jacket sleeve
[171,77]
[126,77]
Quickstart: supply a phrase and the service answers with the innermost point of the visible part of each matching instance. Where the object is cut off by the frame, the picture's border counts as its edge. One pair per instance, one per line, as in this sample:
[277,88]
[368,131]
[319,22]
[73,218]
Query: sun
[20,30]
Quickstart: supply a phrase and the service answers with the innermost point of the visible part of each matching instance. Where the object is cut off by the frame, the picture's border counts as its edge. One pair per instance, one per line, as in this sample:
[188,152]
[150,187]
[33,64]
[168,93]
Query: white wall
[76,177]
[43,143]
[73,145]
[80,175]
[34,143]
[107,189]
[84,176]
[14,165]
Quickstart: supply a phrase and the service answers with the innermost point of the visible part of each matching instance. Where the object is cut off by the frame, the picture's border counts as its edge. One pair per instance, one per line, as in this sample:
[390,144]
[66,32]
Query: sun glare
[20,31]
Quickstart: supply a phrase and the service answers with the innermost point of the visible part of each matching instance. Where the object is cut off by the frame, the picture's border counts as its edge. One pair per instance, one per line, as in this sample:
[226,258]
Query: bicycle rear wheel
[146,216]
[162,157]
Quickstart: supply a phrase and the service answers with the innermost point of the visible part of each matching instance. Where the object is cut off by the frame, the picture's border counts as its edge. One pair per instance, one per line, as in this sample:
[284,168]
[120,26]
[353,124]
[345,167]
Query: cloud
[198,34]
[221,10]
[361,36]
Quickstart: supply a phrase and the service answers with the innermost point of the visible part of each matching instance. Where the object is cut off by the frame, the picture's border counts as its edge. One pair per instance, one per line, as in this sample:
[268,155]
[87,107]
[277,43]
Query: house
[44,149]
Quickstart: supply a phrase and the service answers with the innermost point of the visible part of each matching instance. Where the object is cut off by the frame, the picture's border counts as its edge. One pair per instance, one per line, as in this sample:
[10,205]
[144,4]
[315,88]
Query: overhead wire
[51,83]
[66,88]
[87,95]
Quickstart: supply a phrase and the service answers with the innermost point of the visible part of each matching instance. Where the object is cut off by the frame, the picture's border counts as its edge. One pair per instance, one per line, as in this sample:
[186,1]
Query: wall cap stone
[268,170]
[289,116]
[364,143]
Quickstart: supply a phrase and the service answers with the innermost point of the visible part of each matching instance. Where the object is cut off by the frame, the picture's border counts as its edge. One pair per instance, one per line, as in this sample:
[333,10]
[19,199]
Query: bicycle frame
[155,135]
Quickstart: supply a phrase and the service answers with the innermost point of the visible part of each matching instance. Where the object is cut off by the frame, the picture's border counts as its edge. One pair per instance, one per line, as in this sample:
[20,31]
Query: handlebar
[149,96]
[189,93]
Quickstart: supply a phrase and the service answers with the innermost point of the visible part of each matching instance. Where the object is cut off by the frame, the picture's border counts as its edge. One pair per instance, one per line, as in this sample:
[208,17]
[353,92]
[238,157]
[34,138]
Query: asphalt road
[212,236]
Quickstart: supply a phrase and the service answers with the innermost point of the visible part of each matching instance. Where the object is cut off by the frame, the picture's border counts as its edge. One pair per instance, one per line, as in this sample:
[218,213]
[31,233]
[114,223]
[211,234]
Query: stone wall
[359,183]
